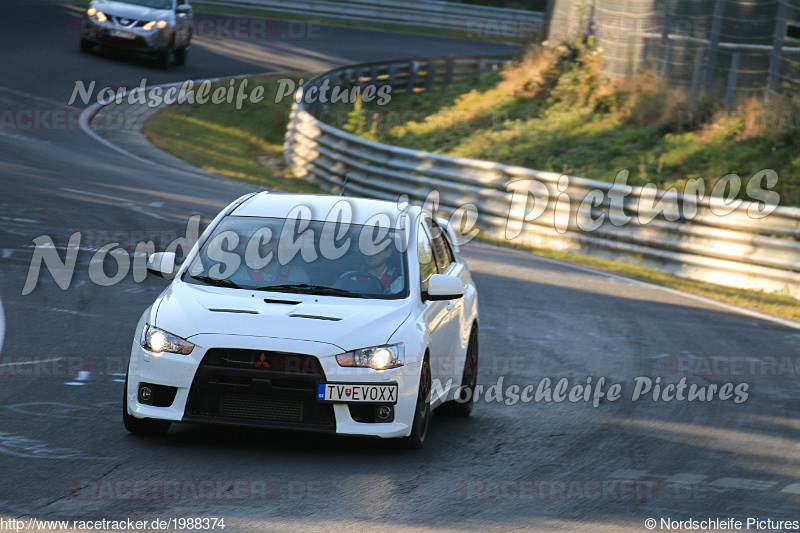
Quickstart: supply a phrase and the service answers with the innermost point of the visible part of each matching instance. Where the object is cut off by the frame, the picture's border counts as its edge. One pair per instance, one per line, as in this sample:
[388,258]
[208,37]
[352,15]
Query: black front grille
[127,22]
[259,388]
[261,407]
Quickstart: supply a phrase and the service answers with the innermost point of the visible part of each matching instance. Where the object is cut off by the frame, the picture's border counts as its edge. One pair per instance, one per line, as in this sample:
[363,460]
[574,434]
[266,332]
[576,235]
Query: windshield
[155,4]
[303,257]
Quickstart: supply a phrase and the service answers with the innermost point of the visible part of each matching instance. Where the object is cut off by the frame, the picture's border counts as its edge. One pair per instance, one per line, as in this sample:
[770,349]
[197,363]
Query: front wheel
[462,405]
[163,57]
[422,413]
[140,426]
[180,55]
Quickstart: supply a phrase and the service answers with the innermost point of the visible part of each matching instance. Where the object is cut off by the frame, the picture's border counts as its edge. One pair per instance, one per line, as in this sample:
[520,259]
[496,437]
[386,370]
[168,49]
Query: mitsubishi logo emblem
[262,362]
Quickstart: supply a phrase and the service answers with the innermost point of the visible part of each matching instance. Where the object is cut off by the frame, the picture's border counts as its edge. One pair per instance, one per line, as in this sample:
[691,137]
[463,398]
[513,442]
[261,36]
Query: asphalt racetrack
[532,466]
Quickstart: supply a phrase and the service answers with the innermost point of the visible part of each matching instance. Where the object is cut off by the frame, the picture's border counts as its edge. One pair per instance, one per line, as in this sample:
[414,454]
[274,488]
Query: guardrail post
[411,81]
[448,75]
[431,76]
[336,79]
[360,76]
[373,75]
[392,72]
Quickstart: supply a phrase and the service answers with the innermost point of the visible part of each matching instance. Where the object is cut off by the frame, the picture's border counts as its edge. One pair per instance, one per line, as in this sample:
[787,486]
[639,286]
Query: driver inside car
[377,267]
[380,266]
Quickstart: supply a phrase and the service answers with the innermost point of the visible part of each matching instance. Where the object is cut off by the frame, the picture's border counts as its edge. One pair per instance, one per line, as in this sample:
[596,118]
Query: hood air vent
[282,302]
[317,317]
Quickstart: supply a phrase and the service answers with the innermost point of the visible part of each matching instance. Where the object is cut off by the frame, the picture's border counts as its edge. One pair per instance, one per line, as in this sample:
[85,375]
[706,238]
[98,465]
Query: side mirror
[442,287]
[183,9]
[162,264]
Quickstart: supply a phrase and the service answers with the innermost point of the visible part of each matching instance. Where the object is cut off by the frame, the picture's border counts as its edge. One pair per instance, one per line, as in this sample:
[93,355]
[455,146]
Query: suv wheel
[180,55]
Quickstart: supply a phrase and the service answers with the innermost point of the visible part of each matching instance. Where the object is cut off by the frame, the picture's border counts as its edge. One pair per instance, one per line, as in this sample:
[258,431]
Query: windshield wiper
[217,282]
[307,288]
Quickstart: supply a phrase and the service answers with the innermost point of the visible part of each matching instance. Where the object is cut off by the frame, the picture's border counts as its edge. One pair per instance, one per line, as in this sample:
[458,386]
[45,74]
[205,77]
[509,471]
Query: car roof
[279,205]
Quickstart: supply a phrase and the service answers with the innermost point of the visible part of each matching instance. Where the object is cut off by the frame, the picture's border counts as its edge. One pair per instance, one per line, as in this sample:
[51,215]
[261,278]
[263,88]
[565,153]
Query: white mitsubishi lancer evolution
[309,312]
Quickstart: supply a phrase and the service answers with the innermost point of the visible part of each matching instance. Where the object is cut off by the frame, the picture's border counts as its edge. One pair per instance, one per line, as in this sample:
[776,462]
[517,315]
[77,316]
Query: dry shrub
[650,101]
[755,117]
[525,75]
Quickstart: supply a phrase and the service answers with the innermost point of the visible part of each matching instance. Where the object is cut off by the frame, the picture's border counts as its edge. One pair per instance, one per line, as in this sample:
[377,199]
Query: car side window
[427,264]
[441,248]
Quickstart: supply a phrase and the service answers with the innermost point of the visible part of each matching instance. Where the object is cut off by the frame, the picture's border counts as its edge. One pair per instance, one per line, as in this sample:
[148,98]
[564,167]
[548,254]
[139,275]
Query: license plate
[356,393]
[122,34]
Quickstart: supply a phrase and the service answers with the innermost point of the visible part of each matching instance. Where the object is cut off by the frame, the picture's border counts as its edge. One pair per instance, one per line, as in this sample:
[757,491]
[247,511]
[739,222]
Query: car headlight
[377,357]
[101,17]
[160,24]
[91,11]
[159,341]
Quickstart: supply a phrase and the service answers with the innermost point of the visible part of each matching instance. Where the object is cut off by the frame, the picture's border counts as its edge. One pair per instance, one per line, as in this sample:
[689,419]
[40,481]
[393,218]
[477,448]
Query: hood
[131,11]
[186,310]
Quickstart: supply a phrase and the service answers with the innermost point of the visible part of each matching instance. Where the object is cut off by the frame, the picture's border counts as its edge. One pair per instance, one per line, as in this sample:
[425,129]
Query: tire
[86,46]
[180,55]
[141,426]
[162,59]
[182,52]
[422,412]
[461,407]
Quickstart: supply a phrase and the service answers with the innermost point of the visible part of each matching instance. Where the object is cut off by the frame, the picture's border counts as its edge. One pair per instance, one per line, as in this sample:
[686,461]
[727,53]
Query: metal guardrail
[481,20]
[734,250]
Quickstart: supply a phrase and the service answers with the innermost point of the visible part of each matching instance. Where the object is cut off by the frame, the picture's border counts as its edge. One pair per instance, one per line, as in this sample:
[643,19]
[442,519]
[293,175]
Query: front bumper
[221,382]
[109,34]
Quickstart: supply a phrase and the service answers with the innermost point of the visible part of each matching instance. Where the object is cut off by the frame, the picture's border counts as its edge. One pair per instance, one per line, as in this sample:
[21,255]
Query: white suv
[160,28]
[309,312]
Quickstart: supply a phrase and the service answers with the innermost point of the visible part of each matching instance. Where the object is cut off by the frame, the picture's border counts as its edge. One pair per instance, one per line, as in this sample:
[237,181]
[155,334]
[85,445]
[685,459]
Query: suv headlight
[159,341]
[160,24]
[377,357]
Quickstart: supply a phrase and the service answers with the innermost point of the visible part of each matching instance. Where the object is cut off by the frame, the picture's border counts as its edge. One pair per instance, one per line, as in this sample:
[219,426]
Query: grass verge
[552,110]
[245,144]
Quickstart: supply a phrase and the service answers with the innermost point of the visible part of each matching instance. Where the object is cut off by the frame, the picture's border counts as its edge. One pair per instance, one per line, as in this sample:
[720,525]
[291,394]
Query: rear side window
[427,264]
[441,248]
